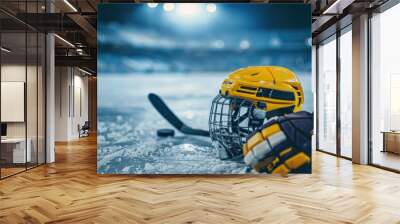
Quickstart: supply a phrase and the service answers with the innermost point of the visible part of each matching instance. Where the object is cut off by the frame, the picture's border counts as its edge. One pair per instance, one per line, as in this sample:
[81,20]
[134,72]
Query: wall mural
[204,88]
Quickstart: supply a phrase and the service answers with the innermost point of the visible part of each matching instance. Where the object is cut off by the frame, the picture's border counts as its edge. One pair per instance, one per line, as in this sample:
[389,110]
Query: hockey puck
[165,132]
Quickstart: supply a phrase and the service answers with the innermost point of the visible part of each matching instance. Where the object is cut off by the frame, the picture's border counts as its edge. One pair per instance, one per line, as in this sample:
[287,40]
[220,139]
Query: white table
[19,154]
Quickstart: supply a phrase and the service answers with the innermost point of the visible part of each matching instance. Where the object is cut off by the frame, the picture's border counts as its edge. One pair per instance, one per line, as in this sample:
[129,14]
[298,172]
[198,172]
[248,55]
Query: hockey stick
[164,110]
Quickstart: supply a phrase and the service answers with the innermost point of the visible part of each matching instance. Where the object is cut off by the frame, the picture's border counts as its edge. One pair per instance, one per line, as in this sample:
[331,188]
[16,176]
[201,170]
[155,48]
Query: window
[385,89]
[327,96]
[346,93]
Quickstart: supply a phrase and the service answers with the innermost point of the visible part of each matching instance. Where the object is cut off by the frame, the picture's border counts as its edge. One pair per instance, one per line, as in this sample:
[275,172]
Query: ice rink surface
[127,124]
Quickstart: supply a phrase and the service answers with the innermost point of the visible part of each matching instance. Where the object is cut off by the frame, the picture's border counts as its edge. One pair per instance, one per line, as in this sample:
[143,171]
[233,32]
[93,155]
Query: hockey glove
[281,145]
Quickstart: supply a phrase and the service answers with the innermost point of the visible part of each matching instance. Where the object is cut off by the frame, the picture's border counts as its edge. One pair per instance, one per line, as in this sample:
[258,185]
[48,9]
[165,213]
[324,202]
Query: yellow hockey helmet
[248,97]
[276,87]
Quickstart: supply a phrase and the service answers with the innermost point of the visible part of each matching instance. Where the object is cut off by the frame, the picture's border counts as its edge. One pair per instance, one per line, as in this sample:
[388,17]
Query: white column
[50,100]
[360,90]
[50,93]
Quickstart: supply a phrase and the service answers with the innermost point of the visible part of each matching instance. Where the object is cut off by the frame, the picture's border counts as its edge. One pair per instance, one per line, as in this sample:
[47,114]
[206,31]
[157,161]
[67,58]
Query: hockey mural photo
[204,88]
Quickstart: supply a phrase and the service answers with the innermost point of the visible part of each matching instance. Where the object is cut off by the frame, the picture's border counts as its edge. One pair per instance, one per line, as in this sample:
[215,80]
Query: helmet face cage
[231,121]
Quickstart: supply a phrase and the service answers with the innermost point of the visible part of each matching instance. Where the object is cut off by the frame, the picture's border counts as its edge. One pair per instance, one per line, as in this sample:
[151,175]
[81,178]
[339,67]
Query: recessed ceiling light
[85,72]
[70,5]
[65,41]
[333,6]
[5,50]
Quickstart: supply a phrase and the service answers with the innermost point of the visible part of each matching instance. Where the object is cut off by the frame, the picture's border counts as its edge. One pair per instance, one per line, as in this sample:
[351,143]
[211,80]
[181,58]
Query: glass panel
[31,100]
[327,96]
[23,90]
[385,84]
[41,99]
[31,88]
[314,84]
[346,94]
[2,160]
[13,87]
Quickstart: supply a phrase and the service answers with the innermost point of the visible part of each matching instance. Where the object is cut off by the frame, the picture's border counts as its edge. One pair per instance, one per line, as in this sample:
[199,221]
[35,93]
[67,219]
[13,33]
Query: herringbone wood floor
[70,191]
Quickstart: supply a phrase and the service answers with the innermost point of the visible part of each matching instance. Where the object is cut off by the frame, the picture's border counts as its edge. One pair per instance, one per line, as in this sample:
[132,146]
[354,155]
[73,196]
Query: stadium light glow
[276,42]
[189,15]
[211,7]
[169,7]
[219,44]
[152,5]
[244,44]
[188,9]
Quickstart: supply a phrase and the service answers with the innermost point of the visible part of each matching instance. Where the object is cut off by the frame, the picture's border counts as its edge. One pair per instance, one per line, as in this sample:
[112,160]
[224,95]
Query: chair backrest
[86,125]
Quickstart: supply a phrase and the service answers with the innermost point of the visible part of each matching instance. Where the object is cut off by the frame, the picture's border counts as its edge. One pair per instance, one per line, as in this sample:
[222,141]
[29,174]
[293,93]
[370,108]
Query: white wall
[70,83]
[81,89]
[62,81]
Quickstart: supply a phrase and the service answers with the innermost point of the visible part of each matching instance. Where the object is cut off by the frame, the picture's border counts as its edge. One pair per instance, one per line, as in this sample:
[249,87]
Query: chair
[84,129]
